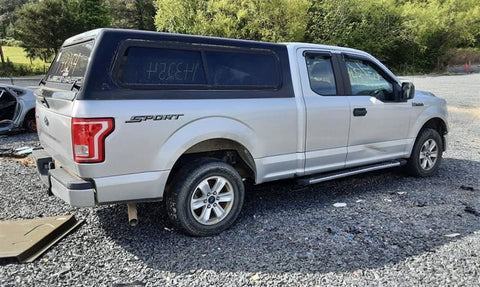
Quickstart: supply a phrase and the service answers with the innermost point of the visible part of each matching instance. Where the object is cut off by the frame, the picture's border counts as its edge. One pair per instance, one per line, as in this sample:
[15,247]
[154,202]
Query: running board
[352,171]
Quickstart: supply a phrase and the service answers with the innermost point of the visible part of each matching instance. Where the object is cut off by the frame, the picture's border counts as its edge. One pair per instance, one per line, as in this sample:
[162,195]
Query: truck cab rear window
[320,75]
[205,69]
[71,63]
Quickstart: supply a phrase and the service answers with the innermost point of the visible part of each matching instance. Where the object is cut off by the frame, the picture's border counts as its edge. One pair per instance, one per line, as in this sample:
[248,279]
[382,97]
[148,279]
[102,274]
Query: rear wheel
[29,123]
[426,154]
[205,197]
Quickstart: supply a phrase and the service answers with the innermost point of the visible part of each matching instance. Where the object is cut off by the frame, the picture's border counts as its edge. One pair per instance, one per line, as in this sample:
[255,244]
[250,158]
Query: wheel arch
[437,124]
[221,138]
[223,149]
[29,115]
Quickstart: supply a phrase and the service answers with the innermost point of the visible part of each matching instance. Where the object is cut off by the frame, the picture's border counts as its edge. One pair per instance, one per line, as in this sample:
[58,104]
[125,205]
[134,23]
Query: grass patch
[18,64]
[17,55]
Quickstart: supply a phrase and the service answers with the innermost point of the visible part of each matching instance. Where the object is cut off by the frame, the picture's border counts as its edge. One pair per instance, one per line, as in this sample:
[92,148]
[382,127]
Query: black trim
[341,82]
[69,181]
[43,162]
[317,53]
[347,88]
[129,94]
[359,112]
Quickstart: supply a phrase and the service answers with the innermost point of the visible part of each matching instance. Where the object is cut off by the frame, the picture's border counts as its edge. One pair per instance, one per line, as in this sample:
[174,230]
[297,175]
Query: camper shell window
[71,63]
[160,66]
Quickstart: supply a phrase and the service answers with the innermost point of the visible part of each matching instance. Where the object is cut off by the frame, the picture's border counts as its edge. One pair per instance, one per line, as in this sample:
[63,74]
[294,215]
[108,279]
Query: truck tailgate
[54,128]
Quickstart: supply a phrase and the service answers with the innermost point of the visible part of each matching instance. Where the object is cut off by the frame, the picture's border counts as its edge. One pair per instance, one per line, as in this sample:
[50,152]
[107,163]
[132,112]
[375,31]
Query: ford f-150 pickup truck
[130,116]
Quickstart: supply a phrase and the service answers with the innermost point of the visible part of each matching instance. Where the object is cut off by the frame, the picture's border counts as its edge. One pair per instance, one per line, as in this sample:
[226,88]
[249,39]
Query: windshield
[70,64]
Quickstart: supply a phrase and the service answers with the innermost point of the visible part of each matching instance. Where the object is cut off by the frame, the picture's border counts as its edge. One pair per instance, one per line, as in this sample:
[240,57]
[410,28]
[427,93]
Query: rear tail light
[88,139]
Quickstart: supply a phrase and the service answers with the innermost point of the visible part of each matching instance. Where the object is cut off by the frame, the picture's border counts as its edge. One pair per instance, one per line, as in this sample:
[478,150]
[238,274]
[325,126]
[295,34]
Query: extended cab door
[379,119]
[327,111]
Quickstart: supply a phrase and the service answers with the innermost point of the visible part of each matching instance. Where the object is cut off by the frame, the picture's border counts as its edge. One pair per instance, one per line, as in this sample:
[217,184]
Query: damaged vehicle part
[26,240]
[17,109]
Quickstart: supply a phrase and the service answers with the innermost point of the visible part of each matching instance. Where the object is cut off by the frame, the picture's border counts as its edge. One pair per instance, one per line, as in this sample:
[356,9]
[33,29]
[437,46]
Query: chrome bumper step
[352,171]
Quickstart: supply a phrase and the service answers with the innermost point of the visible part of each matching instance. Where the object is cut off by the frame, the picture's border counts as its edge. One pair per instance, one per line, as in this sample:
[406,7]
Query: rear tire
[426,154]
[205,197]
[29,122]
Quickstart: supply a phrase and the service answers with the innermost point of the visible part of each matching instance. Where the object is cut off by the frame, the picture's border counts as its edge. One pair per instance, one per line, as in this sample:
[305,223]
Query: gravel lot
[391,233]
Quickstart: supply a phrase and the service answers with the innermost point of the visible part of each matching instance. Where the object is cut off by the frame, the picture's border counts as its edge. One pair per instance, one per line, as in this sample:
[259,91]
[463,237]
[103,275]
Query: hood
[419,93]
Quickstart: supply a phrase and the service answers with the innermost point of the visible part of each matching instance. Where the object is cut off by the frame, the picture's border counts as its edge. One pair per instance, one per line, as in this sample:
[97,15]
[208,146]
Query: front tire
[426,155]
[205,197]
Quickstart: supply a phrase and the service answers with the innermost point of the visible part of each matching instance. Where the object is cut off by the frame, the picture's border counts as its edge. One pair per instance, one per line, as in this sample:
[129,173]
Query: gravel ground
[392,231]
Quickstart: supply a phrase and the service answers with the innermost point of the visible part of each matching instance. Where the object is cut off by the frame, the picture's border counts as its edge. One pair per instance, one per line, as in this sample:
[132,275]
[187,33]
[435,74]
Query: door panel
[380,134]
[327,113]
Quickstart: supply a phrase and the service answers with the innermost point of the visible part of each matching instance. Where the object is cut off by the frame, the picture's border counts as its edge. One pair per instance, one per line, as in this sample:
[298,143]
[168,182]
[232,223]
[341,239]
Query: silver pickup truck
[130,116]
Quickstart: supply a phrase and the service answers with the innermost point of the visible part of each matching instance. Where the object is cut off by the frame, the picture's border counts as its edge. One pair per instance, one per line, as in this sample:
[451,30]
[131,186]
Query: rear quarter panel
[266,127]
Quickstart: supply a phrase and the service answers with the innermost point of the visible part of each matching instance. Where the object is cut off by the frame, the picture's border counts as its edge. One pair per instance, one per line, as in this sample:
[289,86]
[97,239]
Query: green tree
[370,25]
[90,14]
[8,9]
[179,16]
[42,27]
[268,20]
[133,14]
[437,26]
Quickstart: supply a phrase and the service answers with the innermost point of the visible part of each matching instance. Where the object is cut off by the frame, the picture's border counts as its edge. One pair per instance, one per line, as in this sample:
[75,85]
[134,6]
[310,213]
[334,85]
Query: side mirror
[408,91]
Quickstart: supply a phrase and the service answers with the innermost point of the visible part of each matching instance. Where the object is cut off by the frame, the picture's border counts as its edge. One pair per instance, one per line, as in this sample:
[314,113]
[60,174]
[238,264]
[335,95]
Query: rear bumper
[146,186]
[72,189]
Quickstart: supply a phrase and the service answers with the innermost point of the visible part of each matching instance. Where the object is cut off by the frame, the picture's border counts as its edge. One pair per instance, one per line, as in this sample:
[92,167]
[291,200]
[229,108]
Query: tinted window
[320,75]
[161,66]
[237,68]
[71,63]
[366,80]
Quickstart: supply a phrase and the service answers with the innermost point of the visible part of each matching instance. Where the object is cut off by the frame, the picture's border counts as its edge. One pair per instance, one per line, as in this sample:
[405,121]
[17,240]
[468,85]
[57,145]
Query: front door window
[367,81]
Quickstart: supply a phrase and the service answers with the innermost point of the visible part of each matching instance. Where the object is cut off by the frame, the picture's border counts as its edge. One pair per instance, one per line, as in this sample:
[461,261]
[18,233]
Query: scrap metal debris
[20,155]
[23,151]
[26,240]
[16,153]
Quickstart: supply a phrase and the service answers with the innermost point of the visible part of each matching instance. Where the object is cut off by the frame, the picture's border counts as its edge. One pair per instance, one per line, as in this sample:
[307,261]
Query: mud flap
[26,240]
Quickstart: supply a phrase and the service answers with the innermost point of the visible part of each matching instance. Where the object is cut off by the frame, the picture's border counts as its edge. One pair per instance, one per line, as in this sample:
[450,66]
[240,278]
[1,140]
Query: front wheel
[205,197]
[426,154]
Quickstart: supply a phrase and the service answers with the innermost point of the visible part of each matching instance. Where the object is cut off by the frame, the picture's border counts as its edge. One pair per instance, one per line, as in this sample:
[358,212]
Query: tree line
[407,35]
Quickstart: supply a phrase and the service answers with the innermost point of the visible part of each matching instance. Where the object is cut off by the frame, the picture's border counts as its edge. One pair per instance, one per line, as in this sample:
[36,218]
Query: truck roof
[152,35]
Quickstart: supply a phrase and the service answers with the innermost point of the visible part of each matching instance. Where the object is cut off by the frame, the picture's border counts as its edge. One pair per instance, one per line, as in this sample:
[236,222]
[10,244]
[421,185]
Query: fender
[204,129]
[429,113]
